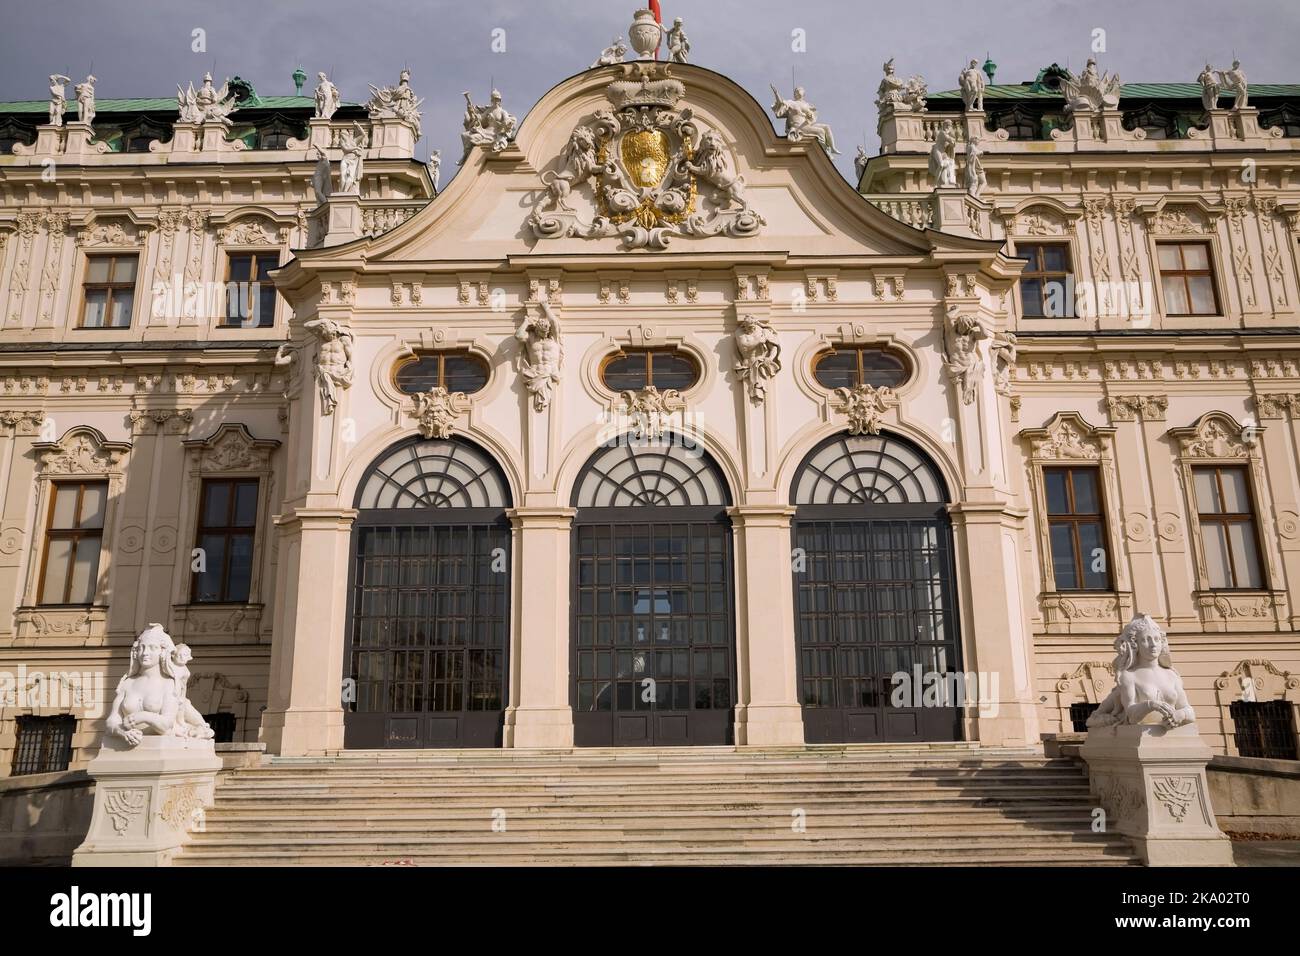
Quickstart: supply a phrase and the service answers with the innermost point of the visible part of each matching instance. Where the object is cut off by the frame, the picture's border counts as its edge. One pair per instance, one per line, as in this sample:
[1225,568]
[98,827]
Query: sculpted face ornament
[644,161]
[1147,688]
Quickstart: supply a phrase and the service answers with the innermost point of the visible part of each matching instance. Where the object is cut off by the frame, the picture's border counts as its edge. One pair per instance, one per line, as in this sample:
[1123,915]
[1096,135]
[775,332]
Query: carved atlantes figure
[962,334]
[333,360]
[543,355]
[760,355]
[801,120]
[1147,688]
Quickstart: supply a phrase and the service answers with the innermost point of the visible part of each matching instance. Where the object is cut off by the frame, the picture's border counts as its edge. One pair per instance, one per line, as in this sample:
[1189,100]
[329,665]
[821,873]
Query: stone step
[695,777]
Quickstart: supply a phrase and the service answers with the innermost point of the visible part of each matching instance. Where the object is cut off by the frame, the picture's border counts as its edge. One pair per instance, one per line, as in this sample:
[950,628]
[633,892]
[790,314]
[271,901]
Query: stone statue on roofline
[801,120]
[894,95]
[614,53]
[396,102]
[488,126]
[327,97]
[58,97]
[1092,90]
[973,81]
[679,45]
[85,91]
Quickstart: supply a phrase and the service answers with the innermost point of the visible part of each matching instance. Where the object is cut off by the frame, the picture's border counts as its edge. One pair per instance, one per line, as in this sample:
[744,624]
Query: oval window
[633,370]
[454,371]
[850,367]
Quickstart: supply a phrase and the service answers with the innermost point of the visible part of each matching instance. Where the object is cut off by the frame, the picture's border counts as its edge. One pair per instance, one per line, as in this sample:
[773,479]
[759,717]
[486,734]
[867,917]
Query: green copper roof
[1137,91]
[160,105]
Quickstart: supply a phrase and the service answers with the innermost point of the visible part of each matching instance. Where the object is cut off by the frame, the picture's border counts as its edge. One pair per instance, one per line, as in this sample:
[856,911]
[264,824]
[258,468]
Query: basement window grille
[223,725]
[1079,714]
[44,744]
[1264,729]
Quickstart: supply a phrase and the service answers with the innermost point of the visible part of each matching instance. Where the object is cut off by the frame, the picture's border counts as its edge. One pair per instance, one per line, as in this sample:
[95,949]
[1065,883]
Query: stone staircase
[923,805]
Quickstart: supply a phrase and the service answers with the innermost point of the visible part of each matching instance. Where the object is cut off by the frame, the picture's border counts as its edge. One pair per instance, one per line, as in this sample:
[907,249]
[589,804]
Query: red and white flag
[659,19]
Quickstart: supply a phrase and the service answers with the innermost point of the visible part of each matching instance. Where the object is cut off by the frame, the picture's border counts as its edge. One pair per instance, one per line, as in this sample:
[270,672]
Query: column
[539,714]
[767,708]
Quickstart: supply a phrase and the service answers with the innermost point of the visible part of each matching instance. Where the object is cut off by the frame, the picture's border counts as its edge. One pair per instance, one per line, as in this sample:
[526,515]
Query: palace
[649,428]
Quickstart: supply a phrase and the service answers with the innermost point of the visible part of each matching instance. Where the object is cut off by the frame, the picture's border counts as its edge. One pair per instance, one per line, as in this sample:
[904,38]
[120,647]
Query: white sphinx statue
[1147,688]
[151,699]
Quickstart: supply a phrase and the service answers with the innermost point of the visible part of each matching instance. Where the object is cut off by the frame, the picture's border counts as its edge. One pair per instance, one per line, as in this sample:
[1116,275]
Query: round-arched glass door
[875,618]
[429,600]
[653,637]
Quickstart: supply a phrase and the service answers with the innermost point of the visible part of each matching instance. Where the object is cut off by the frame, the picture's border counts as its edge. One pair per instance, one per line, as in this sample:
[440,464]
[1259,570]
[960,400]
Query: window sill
[1242,609]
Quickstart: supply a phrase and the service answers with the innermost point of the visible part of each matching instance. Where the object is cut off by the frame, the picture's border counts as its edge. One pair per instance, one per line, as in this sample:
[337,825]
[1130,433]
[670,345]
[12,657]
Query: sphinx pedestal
[148,800]
[1151,782]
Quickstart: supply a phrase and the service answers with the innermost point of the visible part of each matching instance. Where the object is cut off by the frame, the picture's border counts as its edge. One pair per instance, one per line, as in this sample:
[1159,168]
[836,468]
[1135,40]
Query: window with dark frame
[250,292]
[74,533]
[634,369]
[1076,529]
[227,523]
[1046,289]
[1226,514]
[851,367]
[108,291]
[454,371]
[1186,278]
[44,744]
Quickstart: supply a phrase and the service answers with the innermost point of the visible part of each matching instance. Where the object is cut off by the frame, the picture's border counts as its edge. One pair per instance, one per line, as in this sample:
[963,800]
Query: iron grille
[44,744]
[1264,728]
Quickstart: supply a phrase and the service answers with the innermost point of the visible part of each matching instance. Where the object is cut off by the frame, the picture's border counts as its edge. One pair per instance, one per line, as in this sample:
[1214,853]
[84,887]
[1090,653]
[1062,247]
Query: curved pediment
[643,158]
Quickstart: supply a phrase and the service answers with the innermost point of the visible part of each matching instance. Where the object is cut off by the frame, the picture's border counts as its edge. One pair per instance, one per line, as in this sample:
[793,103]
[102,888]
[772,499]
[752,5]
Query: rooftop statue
[320,177]
[151,698]
[435,167]
[943,156]
[1147,688]
[206,105]
[860,161]
[801,120]
[327,97]
[973,81]
[85,91]
[893,94]
[353,143]
[1092,90]
[396,102]
[614,53]
[1234,81]
[679,45]
[488,126]
[58,97]
[975,178]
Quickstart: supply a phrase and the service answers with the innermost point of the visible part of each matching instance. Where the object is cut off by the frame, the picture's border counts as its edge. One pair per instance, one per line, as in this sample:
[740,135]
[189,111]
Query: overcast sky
[143,47]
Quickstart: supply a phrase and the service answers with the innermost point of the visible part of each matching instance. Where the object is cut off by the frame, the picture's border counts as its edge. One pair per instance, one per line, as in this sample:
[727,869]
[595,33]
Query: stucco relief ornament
[1092,90]
[327,97]
[333,360]
[961,337]
[396,102]
[644,162]
[801,120]
[207,104]
[151,698]
[58,97]
[542,355]
[1003,352]
[436,410]
[488,126]
[760,355]
[943,156]
[650,409]
[865,407]
[1147,688]
[612,54]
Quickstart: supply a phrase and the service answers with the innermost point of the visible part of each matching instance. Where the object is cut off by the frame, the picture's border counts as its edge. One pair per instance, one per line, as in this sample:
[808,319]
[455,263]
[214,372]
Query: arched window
[454,371]
[860,365]
[874,591]
[653,647]
[429,599]
[634,369]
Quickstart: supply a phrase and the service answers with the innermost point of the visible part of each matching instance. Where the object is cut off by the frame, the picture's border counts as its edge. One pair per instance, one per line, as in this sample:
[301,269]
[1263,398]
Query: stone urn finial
[645,34]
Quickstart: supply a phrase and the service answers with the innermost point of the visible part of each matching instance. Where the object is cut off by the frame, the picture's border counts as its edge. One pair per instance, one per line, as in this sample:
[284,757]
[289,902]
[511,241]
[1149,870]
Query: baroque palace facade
[649,428]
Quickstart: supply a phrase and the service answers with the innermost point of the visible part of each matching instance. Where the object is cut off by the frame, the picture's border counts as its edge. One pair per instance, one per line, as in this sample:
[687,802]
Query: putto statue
[1147,688]
[85,91]
[760,355]
[895,95]
[353,143]
[943,156]
[151,698]
[206,105]
[488,126]
[333,360]
[1092,90]
[801,120]
[961,337]
[679,45]
[327,97]
[973,81]
[58,97]
[614,53]
[396,102]
[975,178]
[542,355]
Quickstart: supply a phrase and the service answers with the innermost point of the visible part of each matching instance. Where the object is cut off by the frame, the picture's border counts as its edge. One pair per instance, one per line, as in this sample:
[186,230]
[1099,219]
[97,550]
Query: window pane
[1215,541]
[1202,292]
[1096,562]
[216,504]
[65,506]
[207,585]
[124,268]
[1241,536]
[418,376]
[464,374]
[56,570]
[1086,501]
[93,318]
[838,370]
[1031,296]
[240,266]
[1207,491]
[627,372]
[1057,303]
[122,301]
[265,265]
[1067,577]
[92,505]
[1056,259]
[246,504]
[1196,257]
[1236,499]
[84,570]
[1169,258]
[881,368]
[97,268]
[1058,503]
[1175,295]
[241,567]
[673,371]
